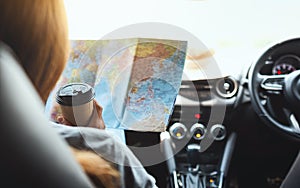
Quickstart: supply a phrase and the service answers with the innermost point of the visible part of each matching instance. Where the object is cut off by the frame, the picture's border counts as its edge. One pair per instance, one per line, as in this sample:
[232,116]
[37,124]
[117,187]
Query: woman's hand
[96,120]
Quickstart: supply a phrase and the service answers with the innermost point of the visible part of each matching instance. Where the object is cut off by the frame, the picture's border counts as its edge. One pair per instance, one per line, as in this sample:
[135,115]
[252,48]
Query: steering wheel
[276,98]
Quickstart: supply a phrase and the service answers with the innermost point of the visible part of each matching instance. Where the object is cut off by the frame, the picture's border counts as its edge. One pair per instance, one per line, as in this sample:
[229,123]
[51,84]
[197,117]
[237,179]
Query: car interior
[238,129]
[253,146]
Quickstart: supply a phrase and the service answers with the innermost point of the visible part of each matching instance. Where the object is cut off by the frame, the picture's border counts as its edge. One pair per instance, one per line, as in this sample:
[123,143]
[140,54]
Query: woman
[36,30]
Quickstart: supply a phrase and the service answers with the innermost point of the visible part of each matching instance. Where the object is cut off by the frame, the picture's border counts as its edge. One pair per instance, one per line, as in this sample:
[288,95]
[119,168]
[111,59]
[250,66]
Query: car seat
[33,154]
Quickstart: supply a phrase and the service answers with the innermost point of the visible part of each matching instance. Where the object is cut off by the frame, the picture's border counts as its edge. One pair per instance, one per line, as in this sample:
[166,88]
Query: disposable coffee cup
[76,102]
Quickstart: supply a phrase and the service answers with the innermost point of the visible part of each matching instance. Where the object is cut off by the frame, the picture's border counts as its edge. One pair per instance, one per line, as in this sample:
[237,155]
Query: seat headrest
[33,154]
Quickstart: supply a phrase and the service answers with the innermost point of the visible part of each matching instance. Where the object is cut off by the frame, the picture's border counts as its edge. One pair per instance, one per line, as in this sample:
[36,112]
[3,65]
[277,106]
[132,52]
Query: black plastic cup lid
[75,94]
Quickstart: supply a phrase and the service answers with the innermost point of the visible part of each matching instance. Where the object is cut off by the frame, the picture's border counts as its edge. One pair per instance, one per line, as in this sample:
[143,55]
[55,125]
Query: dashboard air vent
[226,87]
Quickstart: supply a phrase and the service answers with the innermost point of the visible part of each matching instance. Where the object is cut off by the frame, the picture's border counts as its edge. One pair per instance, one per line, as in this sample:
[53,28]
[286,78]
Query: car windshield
[234,30]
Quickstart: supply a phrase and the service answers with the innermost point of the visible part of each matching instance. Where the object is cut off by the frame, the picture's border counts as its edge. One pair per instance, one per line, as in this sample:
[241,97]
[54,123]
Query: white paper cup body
[78,115]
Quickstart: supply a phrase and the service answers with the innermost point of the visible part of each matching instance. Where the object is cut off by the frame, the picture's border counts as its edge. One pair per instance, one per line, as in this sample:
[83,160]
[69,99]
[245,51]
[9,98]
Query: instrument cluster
[280,65]
[286,64]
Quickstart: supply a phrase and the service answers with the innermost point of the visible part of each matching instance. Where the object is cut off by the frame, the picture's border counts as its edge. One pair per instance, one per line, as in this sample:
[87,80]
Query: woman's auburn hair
[37,32]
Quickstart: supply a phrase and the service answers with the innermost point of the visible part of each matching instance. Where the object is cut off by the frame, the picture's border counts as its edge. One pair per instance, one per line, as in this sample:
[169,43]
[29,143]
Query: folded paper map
[136,80]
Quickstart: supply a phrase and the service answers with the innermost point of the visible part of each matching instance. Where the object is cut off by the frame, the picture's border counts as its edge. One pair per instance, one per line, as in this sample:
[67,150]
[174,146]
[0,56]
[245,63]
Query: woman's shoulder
[84,135]
[100,141]
[111,149]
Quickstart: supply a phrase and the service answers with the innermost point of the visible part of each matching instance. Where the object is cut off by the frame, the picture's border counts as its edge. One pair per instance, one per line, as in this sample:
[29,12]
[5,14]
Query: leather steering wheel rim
[255,81]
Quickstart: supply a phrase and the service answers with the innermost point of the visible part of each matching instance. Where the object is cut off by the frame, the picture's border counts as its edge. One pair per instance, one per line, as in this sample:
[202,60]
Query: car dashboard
[210,113]
[200,125]
[214,126]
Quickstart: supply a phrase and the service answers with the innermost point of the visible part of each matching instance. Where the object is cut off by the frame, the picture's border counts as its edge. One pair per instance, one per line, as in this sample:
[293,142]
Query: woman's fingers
[60,119]
[96,120]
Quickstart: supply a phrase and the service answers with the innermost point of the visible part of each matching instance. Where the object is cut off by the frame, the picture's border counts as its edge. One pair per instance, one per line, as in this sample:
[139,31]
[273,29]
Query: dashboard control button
[218,132]
[198,131]
[178,131]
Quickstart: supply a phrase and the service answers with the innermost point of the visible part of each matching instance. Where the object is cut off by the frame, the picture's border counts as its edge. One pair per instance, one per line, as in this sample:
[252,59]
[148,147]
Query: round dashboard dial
[286,64]
[283,68]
